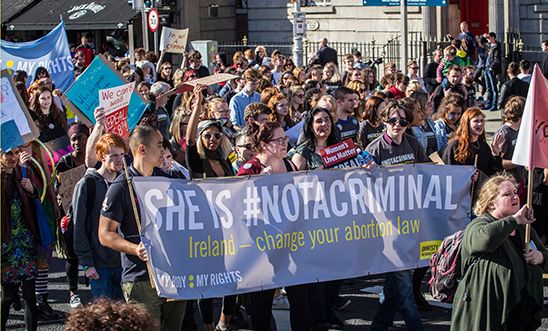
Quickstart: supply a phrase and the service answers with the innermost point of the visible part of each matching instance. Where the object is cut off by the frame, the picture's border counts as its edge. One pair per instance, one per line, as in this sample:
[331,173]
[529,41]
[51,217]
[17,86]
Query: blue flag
[51,51]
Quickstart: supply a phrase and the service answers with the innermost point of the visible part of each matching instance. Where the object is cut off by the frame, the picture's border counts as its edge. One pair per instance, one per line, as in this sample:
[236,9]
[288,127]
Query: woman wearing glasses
[207,152]
[296,103]
[271,143]
[164,75]
[396,147]
[413,73]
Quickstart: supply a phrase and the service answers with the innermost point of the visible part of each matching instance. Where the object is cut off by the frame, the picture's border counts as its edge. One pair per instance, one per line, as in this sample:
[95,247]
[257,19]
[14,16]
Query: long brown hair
[462,135]
[58,116]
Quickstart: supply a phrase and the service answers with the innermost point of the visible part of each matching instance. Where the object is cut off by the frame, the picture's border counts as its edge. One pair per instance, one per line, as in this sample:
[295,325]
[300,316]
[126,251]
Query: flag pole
[137,218]
[530,162]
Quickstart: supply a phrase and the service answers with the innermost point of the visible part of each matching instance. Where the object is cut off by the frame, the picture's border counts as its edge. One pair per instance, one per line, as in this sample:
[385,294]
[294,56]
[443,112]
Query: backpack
[445,268]
[67,223]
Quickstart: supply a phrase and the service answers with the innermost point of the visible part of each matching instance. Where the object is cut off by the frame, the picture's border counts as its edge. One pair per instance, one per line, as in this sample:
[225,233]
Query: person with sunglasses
[271,143]
[207,152]
[396,147]
[207,146]
[413,73]
[446,120]
[296,103]
[245,148]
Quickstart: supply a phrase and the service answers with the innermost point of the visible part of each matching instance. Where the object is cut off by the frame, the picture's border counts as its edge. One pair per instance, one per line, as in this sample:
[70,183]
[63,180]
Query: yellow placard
[427,248]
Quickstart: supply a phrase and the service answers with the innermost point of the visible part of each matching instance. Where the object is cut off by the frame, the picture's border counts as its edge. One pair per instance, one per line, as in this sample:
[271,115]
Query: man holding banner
[119,213]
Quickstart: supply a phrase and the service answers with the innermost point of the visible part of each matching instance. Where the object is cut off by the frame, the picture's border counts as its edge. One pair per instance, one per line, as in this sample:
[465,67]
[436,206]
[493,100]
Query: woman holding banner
[396,147]
[207,151]
[501,286]
[271,143]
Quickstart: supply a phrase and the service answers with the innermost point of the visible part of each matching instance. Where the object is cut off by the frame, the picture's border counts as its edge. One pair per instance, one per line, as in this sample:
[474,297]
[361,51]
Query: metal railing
[419,49]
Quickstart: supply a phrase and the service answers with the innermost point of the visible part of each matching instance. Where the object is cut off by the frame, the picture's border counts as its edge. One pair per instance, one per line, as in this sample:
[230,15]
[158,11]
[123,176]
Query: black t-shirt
[368,133]
[117,206]
[51,130]
[348,128]
[386,152]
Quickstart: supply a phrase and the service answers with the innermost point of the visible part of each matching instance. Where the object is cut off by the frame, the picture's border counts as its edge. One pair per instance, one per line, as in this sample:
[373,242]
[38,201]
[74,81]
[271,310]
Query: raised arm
[195,116]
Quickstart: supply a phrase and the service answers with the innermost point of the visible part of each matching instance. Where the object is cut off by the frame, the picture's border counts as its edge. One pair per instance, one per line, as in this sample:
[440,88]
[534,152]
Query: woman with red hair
[469,143]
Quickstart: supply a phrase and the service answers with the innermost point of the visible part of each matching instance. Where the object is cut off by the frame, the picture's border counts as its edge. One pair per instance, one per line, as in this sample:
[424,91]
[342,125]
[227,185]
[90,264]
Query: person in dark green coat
[502,286]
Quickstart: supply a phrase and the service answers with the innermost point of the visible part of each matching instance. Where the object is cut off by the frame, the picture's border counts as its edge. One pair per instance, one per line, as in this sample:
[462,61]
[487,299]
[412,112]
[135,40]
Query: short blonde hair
[489,191]
[414,85]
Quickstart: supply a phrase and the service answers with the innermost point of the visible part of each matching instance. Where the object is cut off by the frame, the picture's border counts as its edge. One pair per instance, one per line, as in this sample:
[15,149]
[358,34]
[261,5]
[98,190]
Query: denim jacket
[419,133]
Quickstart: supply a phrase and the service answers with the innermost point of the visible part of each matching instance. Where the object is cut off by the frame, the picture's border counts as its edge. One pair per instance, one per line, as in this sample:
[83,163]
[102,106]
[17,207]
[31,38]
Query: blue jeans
[108,284]
[398,296]
[491,87]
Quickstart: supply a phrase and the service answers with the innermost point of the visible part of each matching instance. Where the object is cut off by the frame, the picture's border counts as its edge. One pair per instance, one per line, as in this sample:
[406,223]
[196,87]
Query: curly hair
[462,135]
[274,100]
[109,315]
[263,133]
[513,109]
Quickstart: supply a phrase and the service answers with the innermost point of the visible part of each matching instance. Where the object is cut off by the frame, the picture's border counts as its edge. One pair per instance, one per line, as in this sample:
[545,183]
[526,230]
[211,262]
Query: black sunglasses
[216,135]
[401,121]
[246,146]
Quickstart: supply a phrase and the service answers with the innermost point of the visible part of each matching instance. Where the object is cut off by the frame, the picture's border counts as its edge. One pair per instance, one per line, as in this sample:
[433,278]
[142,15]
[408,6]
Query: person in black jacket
[492,69]
[430,71]
[544,64]
[512,87]
[325,54]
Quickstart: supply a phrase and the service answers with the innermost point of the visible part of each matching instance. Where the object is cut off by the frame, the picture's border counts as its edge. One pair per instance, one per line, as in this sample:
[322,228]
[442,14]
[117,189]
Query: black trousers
[206,308]
[9,292]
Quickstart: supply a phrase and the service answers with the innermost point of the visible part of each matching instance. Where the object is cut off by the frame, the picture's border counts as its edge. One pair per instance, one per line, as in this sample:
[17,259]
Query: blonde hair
[213,104]
[336,74]
[489,191]
[414,86]
[180,115]
[326,98]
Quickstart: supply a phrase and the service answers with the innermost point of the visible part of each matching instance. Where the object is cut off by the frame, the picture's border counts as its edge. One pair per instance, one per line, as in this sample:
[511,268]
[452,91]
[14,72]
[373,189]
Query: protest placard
[173,40]
[209,237]
[115,101]
[83,96]
[17,124]
[51,52]
[68,180]
[206,81]
[338,153]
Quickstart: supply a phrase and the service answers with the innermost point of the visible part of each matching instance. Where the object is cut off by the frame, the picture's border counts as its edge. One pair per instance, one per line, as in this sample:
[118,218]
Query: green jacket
[491,287]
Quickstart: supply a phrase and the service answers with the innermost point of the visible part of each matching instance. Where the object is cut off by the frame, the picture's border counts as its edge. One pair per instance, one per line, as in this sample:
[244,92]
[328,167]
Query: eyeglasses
[455,113]
[280,141]
[246,146]
[401,121]
[299,95]
[167,68]
[216,135]
[416,68]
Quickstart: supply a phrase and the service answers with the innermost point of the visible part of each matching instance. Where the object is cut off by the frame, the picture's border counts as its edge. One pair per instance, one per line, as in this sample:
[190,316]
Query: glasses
[280,141]
[454,113]
[299,95]
[216,135]
[416,68]
[401,121]
[167,68]
[246,146]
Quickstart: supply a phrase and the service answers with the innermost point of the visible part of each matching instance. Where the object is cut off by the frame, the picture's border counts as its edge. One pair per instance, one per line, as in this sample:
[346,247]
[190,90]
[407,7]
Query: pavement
[363,293]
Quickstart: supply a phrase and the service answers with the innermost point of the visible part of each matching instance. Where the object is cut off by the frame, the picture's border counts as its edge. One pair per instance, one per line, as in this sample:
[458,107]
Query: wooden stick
[473,187]
[529,206]
[136,214]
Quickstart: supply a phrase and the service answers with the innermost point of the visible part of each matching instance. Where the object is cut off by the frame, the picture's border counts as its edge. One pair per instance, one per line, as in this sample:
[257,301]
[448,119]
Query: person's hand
[91,273]
[99,115]
[267,170]
[27,185]
[370,165]
[498,142]
[447,92]
[141,252]
[524,216]
[198,92]
[24,157]
[534,257]
[475,176]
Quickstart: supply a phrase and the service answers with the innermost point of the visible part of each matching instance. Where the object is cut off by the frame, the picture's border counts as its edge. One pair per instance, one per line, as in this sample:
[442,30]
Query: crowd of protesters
[239,127]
